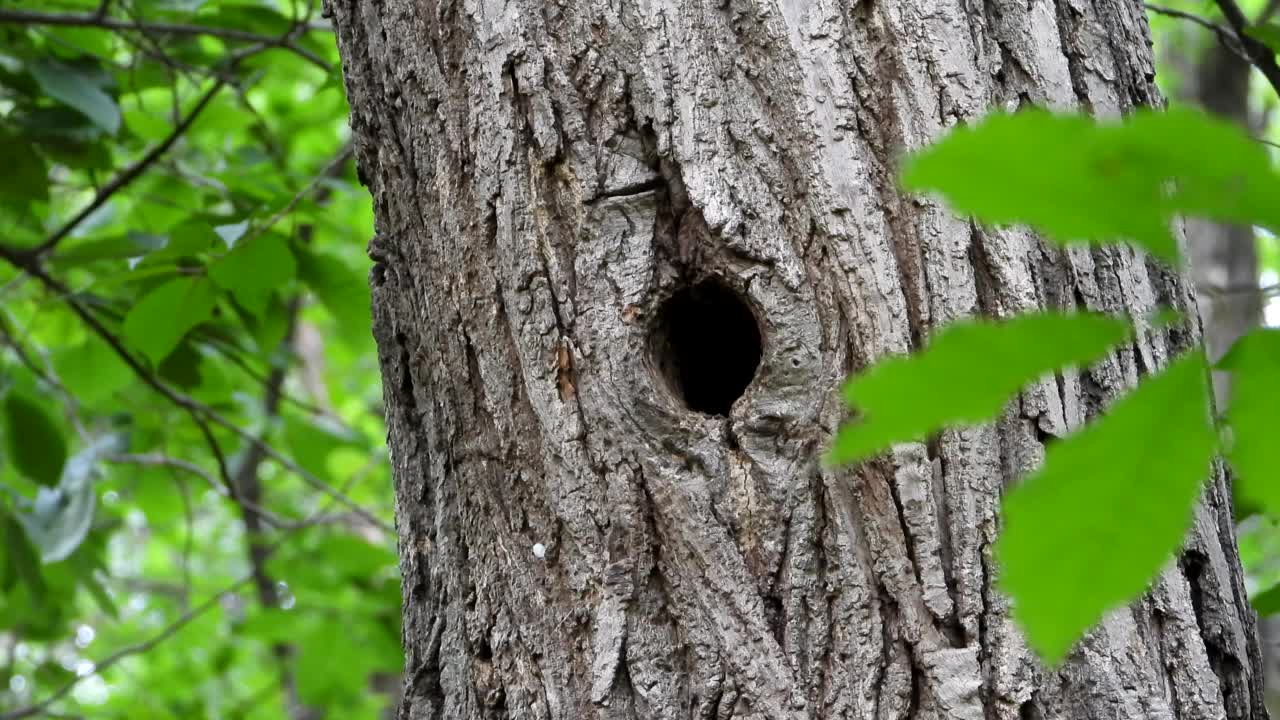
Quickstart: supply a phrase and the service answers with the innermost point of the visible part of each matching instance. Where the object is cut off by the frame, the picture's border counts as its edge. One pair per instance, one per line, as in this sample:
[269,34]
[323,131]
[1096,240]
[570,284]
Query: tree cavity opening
[707,346]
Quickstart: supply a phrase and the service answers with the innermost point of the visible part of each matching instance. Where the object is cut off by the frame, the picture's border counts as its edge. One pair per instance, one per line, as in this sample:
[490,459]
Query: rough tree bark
[575,541]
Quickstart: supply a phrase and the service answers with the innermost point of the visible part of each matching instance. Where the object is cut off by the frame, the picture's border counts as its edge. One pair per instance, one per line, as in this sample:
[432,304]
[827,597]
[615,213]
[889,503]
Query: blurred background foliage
[195,499]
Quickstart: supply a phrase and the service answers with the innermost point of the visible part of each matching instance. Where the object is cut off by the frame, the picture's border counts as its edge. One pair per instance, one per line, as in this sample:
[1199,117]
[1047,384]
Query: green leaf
[1090,529]
[1266,33]
[26,177]
[91,371]
[1267,602]
[254,269]
[118,247]
[1078,179]
[966,375]
[158,323]
[344,293]
[22,564]
[76,88]
[34,438]
[1254,364]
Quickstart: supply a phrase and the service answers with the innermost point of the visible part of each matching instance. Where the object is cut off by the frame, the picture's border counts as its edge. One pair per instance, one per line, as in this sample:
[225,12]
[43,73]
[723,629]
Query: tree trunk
[590,217]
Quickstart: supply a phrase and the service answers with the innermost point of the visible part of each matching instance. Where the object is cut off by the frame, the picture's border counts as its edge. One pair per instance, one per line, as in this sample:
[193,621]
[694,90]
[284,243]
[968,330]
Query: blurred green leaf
[1266,33]
[91,371]
[26,177]
[1254,364]
[22,564]
[35,442]
[77,88]
[1267,602]
[1107,510]
[254,269]
[1101,181]
[965,375]
[343,292]
[158,323]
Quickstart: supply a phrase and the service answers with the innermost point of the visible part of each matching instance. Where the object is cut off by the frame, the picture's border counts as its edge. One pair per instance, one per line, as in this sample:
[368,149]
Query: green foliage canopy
[186,369]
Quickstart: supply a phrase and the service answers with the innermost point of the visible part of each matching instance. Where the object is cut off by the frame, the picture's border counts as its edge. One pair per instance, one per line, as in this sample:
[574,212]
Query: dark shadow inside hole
[707,346]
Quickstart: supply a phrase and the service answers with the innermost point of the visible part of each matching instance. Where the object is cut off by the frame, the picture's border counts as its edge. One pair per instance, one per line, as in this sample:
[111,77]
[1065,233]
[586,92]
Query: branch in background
[164,461]
[1262,57]
[1225,35]
[200,413]
[128,175]
[209,603]
[39,707]
[100,20]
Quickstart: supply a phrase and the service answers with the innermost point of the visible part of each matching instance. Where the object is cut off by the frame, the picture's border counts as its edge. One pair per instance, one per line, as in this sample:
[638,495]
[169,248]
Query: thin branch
[1226,35]
[128,175]
[172,463]
[31,17]
[329,170]
[1262,57]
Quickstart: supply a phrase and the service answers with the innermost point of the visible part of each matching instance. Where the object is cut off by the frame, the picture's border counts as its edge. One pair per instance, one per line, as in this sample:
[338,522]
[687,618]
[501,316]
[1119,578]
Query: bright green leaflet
[1101,182]
[1111,504]
[158,323]
[1254,363]
[965,375]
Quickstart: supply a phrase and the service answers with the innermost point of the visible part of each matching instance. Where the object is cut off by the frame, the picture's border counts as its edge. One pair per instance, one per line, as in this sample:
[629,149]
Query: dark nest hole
[707,346]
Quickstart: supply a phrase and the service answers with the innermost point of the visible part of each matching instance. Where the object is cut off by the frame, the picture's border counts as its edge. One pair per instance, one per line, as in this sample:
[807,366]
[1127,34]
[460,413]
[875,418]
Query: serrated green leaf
[1254,364]
[343,292]
[1109,507]
[35,441]
[965,375]
[158,323]
[76,88]
[1078,179]
[253,270]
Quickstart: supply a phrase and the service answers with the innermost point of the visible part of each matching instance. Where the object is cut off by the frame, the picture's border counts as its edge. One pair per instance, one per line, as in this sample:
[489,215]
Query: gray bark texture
[574,541]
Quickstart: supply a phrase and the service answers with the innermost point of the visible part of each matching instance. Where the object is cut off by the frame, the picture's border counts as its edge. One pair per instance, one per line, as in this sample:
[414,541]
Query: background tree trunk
[575,542]
[1224,265]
